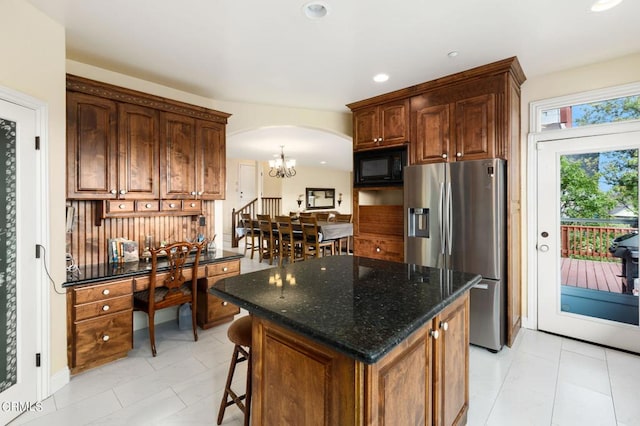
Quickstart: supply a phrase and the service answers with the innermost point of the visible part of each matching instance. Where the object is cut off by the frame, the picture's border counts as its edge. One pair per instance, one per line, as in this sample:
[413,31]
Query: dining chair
[290,242]
[305,214]
[170,288]
[250,234]
[322,217]
[268,238]
[344,218]
[313,245]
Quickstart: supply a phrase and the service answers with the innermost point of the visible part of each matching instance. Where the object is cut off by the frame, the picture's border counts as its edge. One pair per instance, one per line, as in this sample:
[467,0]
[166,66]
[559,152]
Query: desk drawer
[232,268]
[100,292]
[119,206]
[103,337]
[103,307]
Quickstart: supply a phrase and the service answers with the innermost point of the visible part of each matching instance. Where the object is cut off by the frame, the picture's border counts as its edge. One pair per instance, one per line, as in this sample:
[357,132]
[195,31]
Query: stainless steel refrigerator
[455,218]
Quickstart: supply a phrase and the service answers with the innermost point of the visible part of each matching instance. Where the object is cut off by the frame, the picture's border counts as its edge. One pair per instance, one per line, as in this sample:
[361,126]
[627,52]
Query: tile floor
[542,380]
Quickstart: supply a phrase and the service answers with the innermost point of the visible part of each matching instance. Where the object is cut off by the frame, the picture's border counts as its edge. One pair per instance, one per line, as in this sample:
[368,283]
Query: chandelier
[281,168]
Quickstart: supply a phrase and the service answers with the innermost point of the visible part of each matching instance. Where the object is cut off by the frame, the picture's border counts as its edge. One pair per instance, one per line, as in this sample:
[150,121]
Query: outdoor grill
[626,248]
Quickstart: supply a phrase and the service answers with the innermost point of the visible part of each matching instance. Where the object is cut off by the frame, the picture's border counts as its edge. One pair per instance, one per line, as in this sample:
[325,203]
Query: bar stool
[240,334]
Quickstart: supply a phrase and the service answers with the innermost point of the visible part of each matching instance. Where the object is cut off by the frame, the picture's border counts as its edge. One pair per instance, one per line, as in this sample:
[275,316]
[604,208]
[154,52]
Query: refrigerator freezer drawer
[486,326]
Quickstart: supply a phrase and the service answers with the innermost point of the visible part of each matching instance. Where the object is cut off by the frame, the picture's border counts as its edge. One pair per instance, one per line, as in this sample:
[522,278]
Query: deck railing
[587,241]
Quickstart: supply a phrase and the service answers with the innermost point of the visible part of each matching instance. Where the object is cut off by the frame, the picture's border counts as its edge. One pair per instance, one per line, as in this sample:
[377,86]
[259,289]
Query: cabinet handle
[444,325]
[105,308]
[121,206]
[113,191]
[172,205]
[193,204]
[225,303]
[148,205]
[378,249]
[444,155]
[225,269]
[200,192]
[106,292]
[122,192]
[434,334]
[458,154]
[193,192]
[105,338]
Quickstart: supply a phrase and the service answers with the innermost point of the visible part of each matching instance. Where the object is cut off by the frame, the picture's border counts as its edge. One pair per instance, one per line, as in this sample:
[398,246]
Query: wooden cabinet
[380,247]
[381,125]
[99,324]
[423,380]
[128,145]
[460,130]
[213,310]
[378,223]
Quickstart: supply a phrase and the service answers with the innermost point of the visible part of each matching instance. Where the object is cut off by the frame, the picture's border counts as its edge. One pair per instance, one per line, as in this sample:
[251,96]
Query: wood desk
[100,306]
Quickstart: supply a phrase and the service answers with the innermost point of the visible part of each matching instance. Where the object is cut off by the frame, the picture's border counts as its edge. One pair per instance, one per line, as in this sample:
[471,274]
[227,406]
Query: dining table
[329,230]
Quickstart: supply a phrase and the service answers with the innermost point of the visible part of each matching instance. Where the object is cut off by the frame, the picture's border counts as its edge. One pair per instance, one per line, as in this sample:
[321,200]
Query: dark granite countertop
[92,274]
[358,306]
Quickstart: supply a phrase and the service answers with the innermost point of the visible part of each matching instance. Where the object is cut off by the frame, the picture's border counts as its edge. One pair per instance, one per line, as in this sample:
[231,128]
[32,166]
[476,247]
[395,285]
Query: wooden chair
[250,234]
[322,217]
[305,214]
[268,238]
[290,243]
[313,245]
[170,288]
[345,218]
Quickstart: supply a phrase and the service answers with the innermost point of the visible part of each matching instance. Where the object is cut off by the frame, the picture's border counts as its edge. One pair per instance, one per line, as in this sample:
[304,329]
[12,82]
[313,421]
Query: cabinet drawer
[103,307]
[377,248]
[192,205]
[103,337]
[223,268]
[100,292]
[119,206]
[148,206]
[171,206]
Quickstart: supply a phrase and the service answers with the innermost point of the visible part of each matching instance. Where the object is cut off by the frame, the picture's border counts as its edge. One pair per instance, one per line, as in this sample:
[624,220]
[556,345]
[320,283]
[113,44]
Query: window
[612,110]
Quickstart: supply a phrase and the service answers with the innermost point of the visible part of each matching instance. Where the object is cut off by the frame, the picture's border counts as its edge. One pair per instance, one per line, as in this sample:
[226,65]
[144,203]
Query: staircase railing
[269,205]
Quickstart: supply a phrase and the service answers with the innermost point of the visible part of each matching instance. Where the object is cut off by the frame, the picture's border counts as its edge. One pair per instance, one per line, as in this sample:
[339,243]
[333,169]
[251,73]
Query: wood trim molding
[116,93]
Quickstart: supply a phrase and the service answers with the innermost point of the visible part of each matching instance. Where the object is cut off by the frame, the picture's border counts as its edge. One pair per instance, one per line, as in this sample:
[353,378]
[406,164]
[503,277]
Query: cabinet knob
[193,192]
[148,205]
[225,303]
[172,205]
[113,191]
[225,269]
[444,325]
[105,308]
[122,192]
[105,338]
[458,154]
[378,249]
[200,192]
[121,206]
[106,292]
[192,204]
[434,334]
[444,155]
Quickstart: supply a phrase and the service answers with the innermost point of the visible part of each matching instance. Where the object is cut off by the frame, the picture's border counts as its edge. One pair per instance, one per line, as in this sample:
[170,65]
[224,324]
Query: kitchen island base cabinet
[212,310]
[422,381]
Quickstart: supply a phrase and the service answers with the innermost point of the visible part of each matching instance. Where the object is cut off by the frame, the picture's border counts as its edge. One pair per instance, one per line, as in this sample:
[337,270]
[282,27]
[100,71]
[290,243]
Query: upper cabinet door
[178,157]
[381,125]
[429,133]
[476,128]
[139,144]
[211,160]
[91,147]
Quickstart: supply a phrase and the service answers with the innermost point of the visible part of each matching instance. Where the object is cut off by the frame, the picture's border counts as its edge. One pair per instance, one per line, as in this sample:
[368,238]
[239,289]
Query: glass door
[587,239]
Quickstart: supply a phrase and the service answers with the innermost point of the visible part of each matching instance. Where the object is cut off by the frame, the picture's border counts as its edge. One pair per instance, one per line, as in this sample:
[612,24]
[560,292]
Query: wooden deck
[595,275]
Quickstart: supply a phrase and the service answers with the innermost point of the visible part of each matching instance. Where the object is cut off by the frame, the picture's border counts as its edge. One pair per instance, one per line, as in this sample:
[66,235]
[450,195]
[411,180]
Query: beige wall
[611,73]
[33,62]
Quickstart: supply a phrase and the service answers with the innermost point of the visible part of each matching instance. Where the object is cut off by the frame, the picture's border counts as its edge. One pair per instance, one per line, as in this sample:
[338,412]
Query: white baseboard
[59,380]
[526,323]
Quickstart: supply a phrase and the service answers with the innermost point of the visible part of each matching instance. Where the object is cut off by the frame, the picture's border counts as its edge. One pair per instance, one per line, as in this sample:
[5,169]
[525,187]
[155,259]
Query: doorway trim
[42,296]
[533,138]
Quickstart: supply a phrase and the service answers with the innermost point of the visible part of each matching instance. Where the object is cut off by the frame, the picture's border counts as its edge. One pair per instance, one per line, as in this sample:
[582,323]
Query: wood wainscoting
[87,243]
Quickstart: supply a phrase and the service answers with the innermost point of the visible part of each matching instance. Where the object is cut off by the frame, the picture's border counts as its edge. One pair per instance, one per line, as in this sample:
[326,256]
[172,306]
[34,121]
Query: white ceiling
[271,53]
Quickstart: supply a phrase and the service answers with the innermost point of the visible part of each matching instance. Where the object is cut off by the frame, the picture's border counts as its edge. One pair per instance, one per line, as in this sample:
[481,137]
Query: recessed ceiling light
[380,78]
[452,54]
[315,10]
[323,162]
[602,5]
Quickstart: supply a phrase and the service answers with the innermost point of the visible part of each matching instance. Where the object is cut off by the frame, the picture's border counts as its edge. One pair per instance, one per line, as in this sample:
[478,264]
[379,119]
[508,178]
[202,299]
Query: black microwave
[379,166]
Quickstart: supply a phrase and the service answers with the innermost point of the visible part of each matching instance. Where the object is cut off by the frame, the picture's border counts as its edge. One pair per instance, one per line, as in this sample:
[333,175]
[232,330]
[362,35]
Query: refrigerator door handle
[441,222]
[450,219]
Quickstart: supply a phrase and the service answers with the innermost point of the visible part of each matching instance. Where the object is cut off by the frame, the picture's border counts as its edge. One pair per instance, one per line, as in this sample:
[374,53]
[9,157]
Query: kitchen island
[346,340]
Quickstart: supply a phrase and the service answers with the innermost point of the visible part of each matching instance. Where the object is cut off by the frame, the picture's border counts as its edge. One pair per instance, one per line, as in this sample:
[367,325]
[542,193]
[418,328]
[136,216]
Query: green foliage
[621,173]
[621,109]
[581,196]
